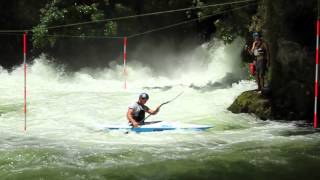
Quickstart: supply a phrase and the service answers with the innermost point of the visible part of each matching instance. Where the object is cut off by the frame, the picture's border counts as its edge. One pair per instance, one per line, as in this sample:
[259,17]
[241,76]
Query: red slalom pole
[125,61]
[25,78]
[315,119]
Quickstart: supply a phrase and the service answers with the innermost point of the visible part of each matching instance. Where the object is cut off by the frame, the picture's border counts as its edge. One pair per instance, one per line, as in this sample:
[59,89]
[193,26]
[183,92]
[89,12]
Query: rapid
[64,139]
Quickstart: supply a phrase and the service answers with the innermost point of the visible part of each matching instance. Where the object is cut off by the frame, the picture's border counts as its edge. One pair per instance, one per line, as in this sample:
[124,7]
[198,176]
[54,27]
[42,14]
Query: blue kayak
[158,126]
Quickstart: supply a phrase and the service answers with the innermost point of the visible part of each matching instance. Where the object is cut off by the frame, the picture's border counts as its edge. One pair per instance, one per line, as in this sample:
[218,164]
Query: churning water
[65,110]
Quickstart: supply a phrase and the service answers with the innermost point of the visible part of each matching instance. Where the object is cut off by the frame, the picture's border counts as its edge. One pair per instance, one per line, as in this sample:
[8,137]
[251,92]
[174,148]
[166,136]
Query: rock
[252,102]
[222,83]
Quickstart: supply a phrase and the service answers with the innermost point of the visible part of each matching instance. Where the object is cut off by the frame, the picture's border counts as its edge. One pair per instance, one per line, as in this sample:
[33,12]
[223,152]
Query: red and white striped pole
[125,61]
[315,119]
[25,78]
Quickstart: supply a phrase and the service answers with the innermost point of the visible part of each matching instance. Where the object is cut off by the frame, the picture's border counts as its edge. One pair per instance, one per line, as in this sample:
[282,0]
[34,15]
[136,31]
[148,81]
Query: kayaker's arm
[130,118]
[153,112]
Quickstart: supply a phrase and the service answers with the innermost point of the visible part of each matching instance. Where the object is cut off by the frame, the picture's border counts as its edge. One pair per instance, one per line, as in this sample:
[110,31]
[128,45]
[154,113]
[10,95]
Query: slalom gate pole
[25,78]
[125,61]
[315,119]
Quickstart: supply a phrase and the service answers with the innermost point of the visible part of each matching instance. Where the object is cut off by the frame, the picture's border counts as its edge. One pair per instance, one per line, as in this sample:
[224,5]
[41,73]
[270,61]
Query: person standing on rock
[262,58]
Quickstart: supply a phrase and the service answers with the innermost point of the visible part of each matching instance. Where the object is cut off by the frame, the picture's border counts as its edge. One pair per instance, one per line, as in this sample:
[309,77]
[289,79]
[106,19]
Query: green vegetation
[60,12]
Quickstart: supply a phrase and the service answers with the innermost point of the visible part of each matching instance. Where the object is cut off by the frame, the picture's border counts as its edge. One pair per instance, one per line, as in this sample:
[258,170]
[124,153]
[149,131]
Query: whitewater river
[64,139]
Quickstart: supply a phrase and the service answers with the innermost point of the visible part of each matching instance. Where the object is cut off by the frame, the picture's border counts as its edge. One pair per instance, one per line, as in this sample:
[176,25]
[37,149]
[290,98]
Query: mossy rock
[252,102]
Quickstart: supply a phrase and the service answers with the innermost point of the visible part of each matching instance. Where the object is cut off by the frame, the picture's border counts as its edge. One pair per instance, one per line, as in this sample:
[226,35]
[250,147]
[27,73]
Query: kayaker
[136,111]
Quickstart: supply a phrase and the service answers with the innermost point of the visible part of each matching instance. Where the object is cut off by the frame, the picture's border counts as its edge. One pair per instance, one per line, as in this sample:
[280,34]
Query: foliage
[61,12]
[111,28]
[229,21]
[58,13]
[258,20]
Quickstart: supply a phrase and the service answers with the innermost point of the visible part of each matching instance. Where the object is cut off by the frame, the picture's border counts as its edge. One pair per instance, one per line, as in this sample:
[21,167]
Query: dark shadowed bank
[289,28]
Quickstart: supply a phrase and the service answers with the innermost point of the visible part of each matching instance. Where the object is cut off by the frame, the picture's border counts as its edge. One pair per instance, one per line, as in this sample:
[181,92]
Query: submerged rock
[252,102]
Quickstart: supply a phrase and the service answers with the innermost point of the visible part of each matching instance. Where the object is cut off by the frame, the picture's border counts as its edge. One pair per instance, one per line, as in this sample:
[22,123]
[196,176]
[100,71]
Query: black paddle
[167,102]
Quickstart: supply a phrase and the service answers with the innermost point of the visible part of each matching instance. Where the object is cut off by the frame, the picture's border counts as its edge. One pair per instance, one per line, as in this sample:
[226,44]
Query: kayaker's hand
[135,124]
[158,109]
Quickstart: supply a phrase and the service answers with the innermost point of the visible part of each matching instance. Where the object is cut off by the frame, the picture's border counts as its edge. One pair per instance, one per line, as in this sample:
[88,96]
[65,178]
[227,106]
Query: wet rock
[222,83]
[165,88]
[252,102]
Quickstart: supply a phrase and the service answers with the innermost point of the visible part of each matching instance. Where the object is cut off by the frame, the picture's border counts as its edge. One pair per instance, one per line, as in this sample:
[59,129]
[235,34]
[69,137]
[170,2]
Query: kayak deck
[158,126]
